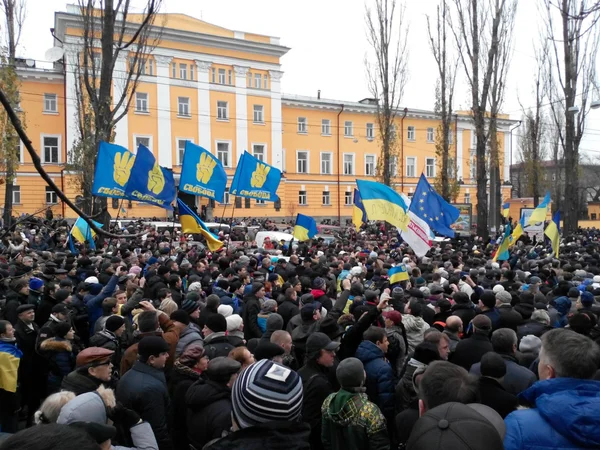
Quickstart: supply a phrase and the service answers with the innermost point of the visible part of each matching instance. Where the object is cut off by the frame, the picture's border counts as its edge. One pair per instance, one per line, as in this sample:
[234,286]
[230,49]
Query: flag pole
[116,219]
[230,220]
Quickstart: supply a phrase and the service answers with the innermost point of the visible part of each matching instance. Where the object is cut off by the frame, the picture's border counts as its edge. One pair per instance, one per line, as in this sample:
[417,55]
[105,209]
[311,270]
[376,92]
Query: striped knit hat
[264,392]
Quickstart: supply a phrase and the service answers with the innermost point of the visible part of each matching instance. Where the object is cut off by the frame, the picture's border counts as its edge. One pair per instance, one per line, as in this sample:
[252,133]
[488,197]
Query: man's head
[481,324]
[454,324]
[223,370]
[487,300]
[95,361]
[441,340]
[378,337]
[26,313]
[283,339]
[215,323]
[504,341]
[541,316]
[351,374]
[493,366]
[147,321]
[566,354]
[7,332]
[414,308]
[60,311]
[115,324]
[109,306]
[153,351]
[321,349]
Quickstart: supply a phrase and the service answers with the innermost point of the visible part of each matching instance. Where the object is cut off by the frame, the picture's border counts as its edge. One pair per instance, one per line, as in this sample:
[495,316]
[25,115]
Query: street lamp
[595,104]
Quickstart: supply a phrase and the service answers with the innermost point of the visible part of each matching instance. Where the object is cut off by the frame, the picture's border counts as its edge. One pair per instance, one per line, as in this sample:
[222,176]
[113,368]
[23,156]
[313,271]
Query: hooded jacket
[415,327]
[190,335]
[380,377]
[563,306]
[565,416]
[61,361]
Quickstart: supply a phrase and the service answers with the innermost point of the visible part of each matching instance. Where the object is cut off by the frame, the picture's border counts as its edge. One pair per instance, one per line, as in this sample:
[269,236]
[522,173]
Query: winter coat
[492,394]
[453,338]
[154,284]
[217,344]
[415,327]
[532,327]
[565,416]
[494,317]
[61,361]
[352,422]
[470,351]
[509,318]
[190,335]
[380,377]
[144,389]
[108,340]
[271,435]
[300,335]
[94,302]
[397,349]
[80,382]
[209,411]
[517,377]
[525,309]
[236,338]
[13,301]
[250,318]
[287,310]
[182,377]
[406,397]
[465,312]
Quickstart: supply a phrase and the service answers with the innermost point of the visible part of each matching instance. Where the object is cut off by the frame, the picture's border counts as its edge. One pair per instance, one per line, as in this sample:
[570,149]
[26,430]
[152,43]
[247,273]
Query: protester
[491,391]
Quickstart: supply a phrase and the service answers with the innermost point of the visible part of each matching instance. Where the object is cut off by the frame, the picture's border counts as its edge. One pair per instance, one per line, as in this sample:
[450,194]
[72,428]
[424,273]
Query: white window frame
[330,172]
[302,198]
[307,161]
[411,134]
[230,77]
[328,195]
[264,149]
[220,109]
[348,199]
[43,147]
[348,128]
[213,74]
[180,104]
[302,125]
[174,70]
[135,143]
[21,152]
[146,102]
[179,157]
[257,80]
[260,110]
[192,72]
[226,197]
[265,81]
[374,169]
[430,168]
[229,151]
[325,127]
[430,135]
[48,99]
[183,71]
[283,160]
[53,196]
[221,76]
[16,190]
[413,166]
[467,197]
[353,171]
[370,131]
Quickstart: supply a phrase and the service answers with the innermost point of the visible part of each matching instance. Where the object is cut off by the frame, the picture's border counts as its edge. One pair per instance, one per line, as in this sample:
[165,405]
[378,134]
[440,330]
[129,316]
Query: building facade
[222,90]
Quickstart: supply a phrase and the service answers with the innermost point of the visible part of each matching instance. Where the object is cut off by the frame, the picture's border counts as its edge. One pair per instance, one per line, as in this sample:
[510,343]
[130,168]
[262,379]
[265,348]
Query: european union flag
[381,202]
[149,182]
[113,167]
[191,223]
[255,179]
[433,209]
[83,233]
[202,173]
[359,215]
[305,228]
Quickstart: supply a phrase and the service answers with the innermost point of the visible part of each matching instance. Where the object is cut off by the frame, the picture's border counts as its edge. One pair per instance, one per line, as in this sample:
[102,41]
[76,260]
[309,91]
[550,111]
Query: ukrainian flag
[191,223]
[305,228]
[83,233]
[381,202]
[502,252]
[506,210]
[359,215]
[539,213]
[397,274]
[10,357]
[553,232]
[518,231]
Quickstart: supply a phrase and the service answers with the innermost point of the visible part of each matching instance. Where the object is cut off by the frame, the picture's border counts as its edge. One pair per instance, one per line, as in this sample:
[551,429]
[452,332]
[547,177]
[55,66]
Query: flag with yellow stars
[433,209]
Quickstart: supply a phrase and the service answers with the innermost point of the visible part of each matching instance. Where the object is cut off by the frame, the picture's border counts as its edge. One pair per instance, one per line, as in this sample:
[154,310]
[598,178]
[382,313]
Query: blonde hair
[50,409]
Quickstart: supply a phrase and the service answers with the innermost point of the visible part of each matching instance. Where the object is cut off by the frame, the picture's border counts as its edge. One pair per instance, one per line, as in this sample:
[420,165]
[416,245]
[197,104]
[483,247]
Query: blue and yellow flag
[191,223]
[433,209]
[553,232]
[10,357]
[359,215]
[506,210]
[502,253]
[113,167]
[381,202]
[202,173]
[150,183]
[539,213]
[518,231]
[397,274]
[83,233]
[305,228]
[255,179]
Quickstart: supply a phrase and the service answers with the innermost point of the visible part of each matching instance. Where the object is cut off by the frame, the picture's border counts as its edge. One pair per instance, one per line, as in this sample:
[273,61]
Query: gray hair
[541,316]
[504,340]
[570,354]
[50,409]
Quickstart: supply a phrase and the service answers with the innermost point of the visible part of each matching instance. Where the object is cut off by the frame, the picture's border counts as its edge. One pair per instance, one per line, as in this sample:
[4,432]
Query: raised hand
[259,176]
[156,180]
[122,168]
[205,167]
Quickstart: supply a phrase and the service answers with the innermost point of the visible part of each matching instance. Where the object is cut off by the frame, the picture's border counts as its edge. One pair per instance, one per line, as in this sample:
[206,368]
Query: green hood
[343,406]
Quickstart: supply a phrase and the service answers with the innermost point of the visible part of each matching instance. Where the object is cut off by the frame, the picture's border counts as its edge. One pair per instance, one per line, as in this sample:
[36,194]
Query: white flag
[417,234]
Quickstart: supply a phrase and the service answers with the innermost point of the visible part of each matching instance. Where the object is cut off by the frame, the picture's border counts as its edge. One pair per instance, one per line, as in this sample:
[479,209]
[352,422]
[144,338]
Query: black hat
[308,311]
[60,308]
[436,289]
[221,368]
[330,327]
[98,432]
[61,329]
[60,272]
[113,323]
[319,341]
[26,307]
[216,323]
[350,373]
[268,350]
[163,270]
[152,346]
[444,305]
[573,293]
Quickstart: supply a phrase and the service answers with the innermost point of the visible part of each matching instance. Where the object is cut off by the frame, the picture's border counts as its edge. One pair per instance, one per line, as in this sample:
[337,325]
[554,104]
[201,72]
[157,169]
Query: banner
[255,179]
[202,173]
[462,225]
[113,167]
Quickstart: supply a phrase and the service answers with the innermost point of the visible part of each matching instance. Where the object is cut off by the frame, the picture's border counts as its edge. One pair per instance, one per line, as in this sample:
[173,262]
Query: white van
[273,236]
[215,227]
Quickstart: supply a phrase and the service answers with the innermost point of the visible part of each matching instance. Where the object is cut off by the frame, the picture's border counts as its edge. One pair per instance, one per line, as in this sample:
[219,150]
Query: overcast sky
[328,45]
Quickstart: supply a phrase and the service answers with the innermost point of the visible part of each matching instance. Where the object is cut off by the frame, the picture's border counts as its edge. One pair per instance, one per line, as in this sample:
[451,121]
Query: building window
[410,135]
[592,218]
[348,198]
[283,160]
[258,114]
[238,202]
[51,150]
[174,70]
[142,140]
[394,166]
[429,134]
[258,151]
[302,125]
[247,203]
[411,166]
[326,198]
[467,197]
[181,149]
[183,106]
[302,162]
[265,81]
[213,74]
[183,71]
[260,201]
[191,72]
[144,66]
[326,127]
[221,76]
[430,167]
[302,197]
[229,77]
[370,165]
[348,163]
[370,131]
[257,80]
[141,102]
[223,153]
[222,110]
[16,195]
[50,103]
[348,128]
[51,197]
[249,79]
[326,163]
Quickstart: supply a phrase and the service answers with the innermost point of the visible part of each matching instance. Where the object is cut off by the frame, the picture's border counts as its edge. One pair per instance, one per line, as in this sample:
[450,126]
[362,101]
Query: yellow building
[221,89]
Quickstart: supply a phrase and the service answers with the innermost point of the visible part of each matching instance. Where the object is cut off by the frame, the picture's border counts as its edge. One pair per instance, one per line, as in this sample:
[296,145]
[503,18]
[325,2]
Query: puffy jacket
[415,327]
[532,327]
[61,361]
[189,335]
[380,377]
[566,416]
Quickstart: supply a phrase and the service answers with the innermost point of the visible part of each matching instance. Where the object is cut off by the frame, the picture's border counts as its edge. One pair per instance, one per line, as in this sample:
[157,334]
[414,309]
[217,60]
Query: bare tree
[478,28]
[447,65]
[387,72]
[571,26]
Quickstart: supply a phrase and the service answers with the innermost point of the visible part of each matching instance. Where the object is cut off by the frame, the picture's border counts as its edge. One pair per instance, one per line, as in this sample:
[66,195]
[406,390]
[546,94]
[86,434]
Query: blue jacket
[94,302]
[566,416]
[380,377]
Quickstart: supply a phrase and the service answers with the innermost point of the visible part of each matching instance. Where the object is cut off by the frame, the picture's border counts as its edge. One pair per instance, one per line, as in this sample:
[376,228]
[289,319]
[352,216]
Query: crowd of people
[149,342]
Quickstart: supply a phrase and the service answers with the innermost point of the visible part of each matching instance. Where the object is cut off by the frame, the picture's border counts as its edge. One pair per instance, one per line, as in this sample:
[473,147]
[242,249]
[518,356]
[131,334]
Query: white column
[204,136]
[276,119]
[119,81]
[241,111]
[71,101]
[163,93]
[507,161]
[459,154]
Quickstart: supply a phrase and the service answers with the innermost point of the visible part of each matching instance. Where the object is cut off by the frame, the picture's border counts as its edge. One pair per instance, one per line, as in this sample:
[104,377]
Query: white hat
[498,288]
[225,310]
[234,322]
[91,280]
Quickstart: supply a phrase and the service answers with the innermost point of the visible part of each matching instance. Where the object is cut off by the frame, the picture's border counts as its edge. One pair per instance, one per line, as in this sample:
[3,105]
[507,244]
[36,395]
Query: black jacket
[525,309]
[217,344]
[495,396]
[470,351]
[532,327]
[509,318]
[287,310]
[209,411]
[154,285]
[465,312]
[270,435]
[182,377]
[250,315]
[13,301]
[80,382]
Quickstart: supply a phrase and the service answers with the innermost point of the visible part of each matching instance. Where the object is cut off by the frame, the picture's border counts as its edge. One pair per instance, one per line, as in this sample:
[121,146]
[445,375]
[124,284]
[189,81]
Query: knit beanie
[216,323]
[530,343]
[269,306]
[256,287]
[234,322]
[35,284]
[274,322]
[350,373]
[264,392]
[113,323]
[225,310]
[61,329]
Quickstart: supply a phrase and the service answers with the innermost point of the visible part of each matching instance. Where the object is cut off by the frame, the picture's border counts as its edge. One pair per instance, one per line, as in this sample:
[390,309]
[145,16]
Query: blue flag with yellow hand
[255,179]
[433,209]
[150,183]
[381,202]
[539,213]
[82,232]
[553,232]
[359,215]
[202,173]
[305,228]
[191,223]
[113,167]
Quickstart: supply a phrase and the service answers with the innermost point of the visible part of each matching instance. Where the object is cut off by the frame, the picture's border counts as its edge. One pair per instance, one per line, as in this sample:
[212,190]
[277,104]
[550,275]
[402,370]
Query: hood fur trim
[107,396]
[52,345]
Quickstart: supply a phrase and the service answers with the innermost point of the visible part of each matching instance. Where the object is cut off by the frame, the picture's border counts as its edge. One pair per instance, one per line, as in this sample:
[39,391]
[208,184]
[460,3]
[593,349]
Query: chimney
[319,94]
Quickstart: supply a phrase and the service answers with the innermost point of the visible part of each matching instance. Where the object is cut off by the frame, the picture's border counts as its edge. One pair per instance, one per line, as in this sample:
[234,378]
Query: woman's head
[50,409]
[242,355]
[194,356]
